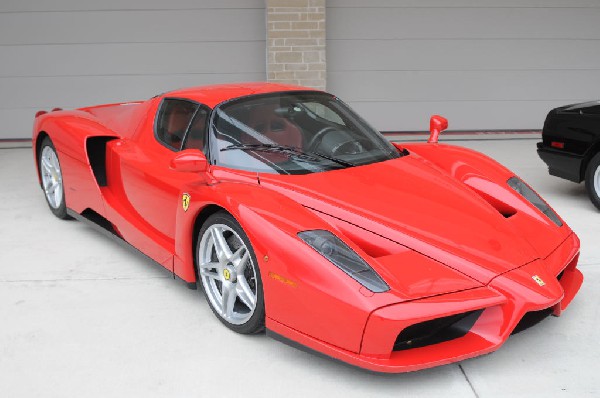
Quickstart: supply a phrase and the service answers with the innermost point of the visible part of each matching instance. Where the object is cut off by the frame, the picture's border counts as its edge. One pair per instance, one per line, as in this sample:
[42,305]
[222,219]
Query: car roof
[215,94]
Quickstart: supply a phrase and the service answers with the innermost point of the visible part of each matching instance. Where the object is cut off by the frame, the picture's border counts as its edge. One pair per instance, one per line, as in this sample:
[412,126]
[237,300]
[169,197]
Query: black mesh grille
[436,330]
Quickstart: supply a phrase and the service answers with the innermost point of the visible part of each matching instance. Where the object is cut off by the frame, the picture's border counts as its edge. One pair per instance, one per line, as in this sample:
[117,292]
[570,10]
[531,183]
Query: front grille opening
[532,318]
[436,330]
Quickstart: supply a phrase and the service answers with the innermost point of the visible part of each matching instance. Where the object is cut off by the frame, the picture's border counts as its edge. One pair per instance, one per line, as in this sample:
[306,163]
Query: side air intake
[96,151]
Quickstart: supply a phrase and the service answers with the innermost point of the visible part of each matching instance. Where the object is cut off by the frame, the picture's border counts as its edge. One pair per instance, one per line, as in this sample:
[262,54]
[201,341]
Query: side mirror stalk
[437,124]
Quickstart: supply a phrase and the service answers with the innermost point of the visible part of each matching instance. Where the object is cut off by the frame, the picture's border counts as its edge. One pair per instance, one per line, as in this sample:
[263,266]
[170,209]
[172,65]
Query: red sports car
[294,215]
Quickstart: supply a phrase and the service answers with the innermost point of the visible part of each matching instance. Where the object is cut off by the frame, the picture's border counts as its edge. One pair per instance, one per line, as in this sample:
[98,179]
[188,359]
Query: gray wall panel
[461,23]
[160,26]
[466,85]
[28,95]
[16,123]
[132,58]
[473,54]
[70,53]
[79,5]
[459,3]
[484,64]
[464,115]
[79,91]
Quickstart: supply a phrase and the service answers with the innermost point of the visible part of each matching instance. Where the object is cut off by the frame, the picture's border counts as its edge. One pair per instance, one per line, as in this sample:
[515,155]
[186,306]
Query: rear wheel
[52,179]
[229,274]
[592,180]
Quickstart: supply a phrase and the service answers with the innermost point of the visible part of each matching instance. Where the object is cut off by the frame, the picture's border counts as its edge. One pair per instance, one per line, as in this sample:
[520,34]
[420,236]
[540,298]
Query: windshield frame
[212,151]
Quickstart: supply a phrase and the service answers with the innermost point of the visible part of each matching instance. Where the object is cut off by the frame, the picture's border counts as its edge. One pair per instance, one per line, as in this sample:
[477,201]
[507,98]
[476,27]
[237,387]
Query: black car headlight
[518,185]
[333,249]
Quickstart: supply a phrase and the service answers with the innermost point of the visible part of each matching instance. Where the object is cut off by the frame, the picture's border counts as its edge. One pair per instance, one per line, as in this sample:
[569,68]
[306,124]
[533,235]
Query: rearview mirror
[189,161]
[437,124]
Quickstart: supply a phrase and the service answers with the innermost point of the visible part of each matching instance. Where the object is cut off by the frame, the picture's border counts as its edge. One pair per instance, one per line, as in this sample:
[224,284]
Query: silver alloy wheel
[228,274]
[597,181]
[51,177]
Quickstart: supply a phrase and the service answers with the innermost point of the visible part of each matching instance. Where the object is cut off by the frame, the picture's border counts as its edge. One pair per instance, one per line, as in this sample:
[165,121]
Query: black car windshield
[294,133]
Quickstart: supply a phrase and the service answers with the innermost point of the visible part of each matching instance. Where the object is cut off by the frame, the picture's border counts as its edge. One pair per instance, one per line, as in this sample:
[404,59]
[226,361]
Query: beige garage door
[485,64]
[72,53]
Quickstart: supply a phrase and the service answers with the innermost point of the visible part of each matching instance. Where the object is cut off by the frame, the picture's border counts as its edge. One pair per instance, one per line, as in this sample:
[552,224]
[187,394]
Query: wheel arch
[590,153]
[37,146]
[201,218]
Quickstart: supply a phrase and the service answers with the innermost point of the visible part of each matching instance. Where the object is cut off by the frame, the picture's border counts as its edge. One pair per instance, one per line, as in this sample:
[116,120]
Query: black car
[571,145]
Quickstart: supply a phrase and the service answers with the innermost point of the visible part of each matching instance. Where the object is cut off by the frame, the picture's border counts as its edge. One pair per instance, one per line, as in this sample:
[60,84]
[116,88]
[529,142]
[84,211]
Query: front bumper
[498,307]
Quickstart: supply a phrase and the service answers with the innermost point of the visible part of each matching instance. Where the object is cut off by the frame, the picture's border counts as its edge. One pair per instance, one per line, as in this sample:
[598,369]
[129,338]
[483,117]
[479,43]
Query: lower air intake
[532,318]
[436,330]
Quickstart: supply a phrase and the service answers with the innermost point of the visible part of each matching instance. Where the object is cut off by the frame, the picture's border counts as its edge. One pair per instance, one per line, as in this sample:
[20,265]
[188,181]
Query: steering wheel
[350,147]
[318,137]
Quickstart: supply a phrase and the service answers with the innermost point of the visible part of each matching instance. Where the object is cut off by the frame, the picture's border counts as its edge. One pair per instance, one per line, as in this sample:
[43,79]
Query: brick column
[296,42]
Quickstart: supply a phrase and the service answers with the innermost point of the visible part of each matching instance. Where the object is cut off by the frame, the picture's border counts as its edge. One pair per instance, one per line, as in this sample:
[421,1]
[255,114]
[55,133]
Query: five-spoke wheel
[52,178]
[228,271]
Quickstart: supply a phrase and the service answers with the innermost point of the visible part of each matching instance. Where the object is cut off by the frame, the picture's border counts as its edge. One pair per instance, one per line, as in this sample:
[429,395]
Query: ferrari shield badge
[538,280]
[185,201]
[226,274]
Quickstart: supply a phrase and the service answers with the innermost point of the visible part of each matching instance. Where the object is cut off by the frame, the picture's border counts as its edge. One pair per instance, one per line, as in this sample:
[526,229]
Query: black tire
[60,210]
[256,322]
[592,180]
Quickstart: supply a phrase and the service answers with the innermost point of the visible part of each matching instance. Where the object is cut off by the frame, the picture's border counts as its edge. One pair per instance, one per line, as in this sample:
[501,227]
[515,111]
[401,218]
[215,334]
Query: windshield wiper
[287,149]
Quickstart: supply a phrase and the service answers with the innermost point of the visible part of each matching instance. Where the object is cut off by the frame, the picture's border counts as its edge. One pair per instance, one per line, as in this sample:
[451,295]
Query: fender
[296,294]
[261,210]
[70,132]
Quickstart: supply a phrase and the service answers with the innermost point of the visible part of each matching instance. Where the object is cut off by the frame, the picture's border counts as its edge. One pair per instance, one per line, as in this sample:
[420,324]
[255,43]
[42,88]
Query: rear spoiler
[40,113]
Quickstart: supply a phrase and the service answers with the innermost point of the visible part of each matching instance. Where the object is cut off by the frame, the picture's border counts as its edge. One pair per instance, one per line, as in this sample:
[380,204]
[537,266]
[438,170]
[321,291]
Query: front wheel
[52,179]
[229,274]
[592,180]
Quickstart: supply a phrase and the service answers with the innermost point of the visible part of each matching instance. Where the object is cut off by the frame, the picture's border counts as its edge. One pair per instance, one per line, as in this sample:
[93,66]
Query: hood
[417,205]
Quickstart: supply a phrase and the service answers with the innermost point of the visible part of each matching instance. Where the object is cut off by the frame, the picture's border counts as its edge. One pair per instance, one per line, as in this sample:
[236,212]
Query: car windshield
[294,133]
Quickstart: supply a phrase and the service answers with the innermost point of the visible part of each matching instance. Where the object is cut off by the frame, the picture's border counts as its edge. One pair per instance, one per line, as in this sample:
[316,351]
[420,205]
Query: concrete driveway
[81,316]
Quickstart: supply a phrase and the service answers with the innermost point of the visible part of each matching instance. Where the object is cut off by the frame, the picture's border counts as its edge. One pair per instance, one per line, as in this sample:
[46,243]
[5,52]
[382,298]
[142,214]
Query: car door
[151,190]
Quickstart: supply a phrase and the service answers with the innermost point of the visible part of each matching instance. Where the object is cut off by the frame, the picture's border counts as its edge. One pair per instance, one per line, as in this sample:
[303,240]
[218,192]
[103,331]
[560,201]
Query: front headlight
[523,189]
[333,249]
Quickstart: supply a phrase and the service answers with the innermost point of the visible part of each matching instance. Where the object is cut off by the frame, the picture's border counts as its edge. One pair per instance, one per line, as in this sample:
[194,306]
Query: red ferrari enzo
[294,215]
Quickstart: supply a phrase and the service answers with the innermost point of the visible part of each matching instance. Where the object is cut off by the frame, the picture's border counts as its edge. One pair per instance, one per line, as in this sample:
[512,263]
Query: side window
[173,119]
[196,133]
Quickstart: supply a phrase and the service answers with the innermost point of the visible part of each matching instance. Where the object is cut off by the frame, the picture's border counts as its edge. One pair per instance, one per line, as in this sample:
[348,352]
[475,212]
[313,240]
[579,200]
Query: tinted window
[294,133]
[173,119]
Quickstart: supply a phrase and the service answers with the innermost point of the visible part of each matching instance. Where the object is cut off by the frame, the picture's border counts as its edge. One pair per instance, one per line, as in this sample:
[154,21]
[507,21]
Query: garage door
[71,53]
[484,64]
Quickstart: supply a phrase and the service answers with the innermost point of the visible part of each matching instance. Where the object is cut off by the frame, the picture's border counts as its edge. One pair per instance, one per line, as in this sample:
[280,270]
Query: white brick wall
[296,42]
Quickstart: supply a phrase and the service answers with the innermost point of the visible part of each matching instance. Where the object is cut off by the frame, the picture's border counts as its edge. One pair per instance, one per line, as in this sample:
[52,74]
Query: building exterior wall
[296,42]
[71,53]
[484,64]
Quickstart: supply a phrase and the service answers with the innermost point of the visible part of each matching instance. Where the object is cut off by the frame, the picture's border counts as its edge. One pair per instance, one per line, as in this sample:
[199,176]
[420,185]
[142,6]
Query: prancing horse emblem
[185,201]
[538,280]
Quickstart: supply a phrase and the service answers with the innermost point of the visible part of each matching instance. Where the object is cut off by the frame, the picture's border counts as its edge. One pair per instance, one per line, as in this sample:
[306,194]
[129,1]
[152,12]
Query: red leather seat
[281,131]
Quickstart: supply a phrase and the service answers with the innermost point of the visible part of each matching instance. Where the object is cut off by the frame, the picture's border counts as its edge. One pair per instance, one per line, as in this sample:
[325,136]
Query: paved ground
[83,316]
